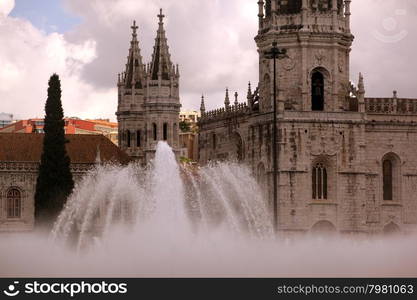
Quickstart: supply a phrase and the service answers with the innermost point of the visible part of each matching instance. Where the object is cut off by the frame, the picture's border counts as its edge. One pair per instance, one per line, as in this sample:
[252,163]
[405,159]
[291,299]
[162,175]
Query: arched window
[391,177]
[289,7]
[261,177]
[319,182]
[214,144]
[14,204]
[155,132]
[391,229]
[317,91]
[266,93]
[128,139]
[165,131]
[321,5]
[323,227]
[240,150]
[138,138]
[388,179]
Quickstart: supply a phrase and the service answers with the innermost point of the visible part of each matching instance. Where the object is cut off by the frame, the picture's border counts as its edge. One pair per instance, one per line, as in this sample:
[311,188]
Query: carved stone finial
[161,17]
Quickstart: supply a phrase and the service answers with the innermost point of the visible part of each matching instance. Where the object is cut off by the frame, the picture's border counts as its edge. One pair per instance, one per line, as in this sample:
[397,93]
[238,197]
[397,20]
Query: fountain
[170,220]
[169,201]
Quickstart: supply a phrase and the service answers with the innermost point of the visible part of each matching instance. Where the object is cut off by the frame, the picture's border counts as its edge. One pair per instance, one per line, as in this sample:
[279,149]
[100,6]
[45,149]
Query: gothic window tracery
[14,204]
[319,182]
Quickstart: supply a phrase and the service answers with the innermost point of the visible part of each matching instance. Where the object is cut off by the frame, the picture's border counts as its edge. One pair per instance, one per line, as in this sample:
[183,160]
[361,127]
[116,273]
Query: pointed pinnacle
[134,28]
[161,17]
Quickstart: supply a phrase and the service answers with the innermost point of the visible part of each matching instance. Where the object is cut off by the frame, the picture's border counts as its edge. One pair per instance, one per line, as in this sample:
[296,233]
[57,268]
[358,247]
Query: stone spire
[361,85]
[134,74]
[161,67]
[227,99]
[261,14]
[249,91]
[202,106]
[236,99]
[361,94]
[249,95]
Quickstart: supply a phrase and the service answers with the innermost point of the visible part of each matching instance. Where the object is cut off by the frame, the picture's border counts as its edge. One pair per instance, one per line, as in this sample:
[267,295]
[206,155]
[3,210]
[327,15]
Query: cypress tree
[54,183]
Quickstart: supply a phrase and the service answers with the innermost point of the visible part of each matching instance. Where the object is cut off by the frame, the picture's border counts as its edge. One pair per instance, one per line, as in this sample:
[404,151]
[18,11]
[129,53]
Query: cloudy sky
[86,43]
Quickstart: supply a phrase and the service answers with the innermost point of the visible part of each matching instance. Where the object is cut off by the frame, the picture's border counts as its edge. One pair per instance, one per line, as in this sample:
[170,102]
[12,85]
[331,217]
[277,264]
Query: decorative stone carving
[320,57]
[289,63]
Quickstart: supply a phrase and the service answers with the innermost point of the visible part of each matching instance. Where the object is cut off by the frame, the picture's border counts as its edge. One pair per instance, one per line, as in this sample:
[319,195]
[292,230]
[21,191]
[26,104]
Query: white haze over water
[168,221]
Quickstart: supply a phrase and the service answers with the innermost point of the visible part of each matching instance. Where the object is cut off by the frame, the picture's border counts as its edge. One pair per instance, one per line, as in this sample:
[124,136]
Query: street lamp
[275,53]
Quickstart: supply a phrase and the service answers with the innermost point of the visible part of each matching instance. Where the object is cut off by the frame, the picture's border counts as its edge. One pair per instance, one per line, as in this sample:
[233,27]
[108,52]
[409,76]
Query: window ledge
[322,202]
[391,203]
[17,220]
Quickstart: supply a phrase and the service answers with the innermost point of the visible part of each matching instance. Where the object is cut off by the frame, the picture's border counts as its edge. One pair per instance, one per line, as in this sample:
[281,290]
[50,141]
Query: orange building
[72,126]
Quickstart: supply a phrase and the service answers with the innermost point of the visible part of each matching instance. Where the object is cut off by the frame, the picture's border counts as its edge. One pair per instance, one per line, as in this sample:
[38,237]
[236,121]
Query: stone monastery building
[346,162]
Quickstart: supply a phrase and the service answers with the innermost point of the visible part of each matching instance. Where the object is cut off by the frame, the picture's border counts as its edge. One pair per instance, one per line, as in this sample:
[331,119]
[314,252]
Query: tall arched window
[165,131]
[317,91]
[240,150]
[14,204]
[138,138]
[388,179]
[128,138]
[266,93]
[214,142]
[391,177]
[261,176]
[155,132]
[319,182]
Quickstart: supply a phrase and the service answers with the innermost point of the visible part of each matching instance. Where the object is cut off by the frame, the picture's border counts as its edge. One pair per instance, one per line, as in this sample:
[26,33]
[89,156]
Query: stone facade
[19,162]
[149,104]
[345,162]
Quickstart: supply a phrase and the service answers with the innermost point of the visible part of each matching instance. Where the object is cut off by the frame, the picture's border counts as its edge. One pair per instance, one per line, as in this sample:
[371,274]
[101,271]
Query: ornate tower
[149,103]
[131,99]
[316,34]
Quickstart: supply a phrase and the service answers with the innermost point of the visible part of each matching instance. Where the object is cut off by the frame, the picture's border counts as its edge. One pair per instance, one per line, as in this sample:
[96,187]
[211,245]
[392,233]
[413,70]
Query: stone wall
[22,176]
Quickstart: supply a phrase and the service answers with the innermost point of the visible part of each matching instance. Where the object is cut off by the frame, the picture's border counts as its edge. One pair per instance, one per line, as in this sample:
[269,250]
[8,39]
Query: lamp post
[275,53]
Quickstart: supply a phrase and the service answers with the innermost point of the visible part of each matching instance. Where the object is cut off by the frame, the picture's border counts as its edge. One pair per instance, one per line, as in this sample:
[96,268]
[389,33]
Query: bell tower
[148,99]
[318,40]
[131,98]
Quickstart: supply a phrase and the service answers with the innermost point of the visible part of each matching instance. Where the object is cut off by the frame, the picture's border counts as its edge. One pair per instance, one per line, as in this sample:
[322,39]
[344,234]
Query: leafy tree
[54,183]
[185,126]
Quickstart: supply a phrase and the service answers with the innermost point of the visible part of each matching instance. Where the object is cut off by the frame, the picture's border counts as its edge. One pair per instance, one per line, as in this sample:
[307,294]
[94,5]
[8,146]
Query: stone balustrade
[225,112]
[394,106]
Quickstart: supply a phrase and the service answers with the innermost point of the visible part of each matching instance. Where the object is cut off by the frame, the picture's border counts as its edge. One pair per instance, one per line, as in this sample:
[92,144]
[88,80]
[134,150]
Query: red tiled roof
[27,147]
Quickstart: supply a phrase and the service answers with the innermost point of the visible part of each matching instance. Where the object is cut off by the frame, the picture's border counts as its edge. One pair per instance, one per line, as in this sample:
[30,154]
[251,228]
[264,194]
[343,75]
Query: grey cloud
[213,43]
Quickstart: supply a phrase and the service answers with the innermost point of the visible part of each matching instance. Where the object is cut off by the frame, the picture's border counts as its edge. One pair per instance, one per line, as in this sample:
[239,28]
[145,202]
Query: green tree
[185,126]
[54,183]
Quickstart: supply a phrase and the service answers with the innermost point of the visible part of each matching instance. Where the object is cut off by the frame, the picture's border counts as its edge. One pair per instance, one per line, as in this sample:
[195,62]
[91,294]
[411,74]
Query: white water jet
[169,221]
[155,199]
